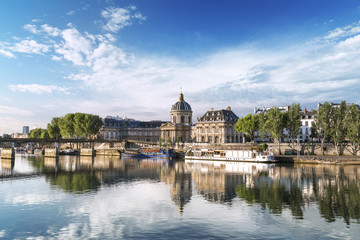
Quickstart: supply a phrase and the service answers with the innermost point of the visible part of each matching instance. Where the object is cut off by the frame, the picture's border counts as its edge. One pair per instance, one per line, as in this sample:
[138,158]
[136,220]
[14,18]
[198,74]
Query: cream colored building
[217,126]
[179,127]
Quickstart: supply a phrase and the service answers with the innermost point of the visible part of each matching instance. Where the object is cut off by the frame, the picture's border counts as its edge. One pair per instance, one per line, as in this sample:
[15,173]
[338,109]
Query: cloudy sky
[132,58]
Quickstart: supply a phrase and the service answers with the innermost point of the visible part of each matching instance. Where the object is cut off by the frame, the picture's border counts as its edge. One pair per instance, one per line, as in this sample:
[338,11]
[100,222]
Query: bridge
[74,143]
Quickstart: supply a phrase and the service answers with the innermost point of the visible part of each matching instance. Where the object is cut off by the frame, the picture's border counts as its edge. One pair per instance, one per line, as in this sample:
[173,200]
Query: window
[182,119]
[189,121]
[306,123]
[306,131]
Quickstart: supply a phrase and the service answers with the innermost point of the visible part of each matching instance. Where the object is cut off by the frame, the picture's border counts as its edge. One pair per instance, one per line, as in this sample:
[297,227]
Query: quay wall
[51,152]
[87,152]
[7,153]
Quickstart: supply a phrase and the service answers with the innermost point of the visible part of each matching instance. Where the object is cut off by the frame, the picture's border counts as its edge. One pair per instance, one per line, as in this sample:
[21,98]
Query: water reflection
[332,190]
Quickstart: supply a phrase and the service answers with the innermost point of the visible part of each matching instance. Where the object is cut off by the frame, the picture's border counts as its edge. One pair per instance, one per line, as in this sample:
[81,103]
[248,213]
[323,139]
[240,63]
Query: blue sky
[131,58]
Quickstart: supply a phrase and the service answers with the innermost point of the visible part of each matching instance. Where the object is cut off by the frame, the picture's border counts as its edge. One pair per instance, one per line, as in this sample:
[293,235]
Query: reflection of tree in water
[274,196]
[76,182]
[334,189]
[340,199]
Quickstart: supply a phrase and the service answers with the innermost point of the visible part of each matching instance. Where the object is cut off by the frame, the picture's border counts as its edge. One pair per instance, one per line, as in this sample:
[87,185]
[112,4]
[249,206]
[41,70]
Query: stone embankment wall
[304,148]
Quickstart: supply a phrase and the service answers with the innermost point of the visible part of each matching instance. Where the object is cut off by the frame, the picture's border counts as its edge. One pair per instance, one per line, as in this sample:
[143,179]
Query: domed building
[179,127]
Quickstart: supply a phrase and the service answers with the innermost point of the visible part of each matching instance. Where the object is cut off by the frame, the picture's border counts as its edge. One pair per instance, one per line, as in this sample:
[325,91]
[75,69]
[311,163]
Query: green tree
[80,125]
[248,125]
[160,142]
[178,140]
[67,125]
[275,124]
[313,131]
[39,133]
[352,123]
[93,123]
[293,122]
[338,129]
[323,123]
[53,128]
[44,134]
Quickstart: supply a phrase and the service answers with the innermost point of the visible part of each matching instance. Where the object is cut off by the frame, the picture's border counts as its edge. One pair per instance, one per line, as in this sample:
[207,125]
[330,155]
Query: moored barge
[231,155]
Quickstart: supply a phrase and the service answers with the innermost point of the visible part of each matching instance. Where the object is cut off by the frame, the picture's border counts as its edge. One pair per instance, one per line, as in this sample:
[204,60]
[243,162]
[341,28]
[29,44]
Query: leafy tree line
[271,124]
[338,125]
[72,125]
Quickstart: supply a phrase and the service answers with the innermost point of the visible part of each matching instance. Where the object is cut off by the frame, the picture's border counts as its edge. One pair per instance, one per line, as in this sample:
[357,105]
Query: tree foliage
[53,128]
[293,123]
[323,123]
[352,123]
[75,125]
[339,124]
[275,124]
[248,125]
[39,133]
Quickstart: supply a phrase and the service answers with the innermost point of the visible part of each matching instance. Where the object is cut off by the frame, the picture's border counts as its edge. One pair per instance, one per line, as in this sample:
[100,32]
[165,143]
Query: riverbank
[316,159]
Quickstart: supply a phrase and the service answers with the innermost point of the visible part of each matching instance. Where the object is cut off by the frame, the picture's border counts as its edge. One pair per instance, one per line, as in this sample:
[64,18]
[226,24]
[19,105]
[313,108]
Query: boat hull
[266,160]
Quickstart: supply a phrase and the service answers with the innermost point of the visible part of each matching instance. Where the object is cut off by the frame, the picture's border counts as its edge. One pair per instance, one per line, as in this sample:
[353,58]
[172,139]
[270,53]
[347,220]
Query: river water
[110,198]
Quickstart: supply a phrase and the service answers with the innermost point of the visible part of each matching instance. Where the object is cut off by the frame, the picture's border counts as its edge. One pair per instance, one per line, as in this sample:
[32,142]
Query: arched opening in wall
[182,119]
[209,139]
[189,120]
[202,139]
[216,139]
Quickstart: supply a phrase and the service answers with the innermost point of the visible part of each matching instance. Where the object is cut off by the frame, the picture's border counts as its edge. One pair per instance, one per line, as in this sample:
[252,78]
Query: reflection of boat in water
[149,153]
[231,155]
[230,166]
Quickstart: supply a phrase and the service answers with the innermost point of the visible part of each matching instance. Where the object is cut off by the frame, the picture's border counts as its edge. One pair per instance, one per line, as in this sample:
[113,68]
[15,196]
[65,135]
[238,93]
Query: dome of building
[181,105]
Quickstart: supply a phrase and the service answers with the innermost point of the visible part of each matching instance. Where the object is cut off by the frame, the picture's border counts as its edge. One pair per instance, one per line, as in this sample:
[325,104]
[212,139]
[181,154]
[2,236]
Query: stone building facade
[116,128]
[216,126]
[179,127]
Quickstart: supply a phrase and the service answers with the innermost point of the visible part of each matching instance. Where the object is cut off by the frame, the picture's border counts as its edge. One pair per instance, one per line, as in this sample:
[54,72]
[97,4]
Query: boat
[158,152]
[253,155]
[149,153]
[69,152]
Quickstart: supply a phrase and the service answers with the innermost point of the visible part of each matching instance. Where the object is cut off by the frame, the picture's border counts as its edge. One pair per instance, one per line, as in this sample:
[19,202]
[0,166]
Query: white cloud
[32,199]
[30,46]
[38,89]
[7,53]
[56,58]
[70,13]
[348,30]
[75,46]
[118,18]
[31,28]
[52,31]
[14,110]
[2,233]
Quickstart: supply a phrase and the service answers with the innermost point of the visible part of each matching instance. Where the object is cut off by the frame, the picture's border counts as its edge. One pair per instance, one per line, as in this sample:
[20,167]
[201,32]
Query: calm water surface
[110,198]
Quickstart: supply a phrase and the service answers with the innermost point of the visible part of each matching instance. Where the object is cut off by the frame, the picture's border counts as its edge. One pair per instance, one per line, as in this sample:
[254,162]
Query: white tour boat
[230,155]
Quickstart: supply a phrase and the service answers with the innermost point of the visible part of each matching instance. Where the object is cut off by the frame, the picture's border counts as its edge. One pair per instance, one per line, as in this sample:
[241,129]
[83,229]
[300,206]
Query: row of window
[182,119]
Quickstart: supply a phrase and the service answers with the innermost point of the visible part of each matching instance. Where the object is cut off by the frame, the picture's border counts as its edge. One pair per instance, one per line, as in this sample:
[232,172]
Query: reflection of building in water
[7,167]
[180,185]
[217,180]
